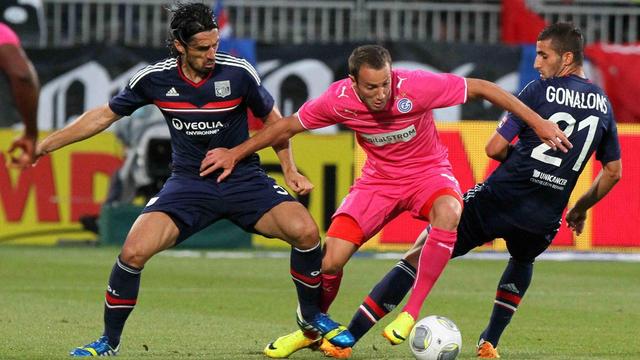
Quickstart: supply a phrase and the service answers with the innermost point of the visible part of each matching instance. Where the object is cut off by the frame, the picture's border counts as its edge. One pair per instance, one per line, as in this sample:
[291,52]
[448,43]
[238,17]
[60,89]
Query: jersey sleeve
[258,98]
[129,100]
[439,90]
[317,113]
[609,148]
[511,125]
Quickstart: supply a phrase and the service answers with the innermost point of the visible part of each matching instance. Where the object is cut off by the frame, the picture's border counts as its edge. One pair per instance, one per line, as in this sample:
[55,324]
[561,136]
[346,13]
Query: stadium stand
[143,23]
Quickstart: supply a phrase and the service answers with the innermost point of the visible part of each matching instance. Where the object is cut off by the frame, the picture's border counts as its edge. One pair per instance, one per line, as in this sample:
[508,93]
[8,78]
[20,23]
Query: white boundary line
[489,255]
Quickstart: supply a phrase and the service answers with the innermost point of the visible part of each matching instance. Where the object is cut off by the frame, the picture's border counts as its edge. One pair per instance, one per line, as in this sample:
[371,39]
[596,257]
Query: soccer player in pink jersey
[24,87]
[407,169]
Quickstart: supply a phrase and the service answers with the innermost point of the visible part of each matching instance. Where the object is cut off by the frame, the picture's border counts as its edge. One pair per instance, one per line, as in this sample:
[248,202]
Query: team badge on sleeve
[404,105]
[223,88]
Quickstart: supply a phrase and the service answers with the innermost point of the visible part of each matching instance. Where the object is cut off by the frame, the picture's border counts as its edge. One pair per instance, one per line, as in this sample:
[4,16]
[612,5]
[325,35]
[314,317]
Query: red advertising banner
[42,205]
[615,218]
[620,73]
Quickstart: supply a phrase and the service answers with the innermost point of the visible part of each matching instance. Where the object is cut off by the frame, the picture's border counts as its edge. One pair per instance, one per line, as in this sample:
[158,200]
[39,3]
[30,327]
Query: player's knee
[413,257]
[446,214]
[332,262]
[304,235]
[134,256]
[331,267]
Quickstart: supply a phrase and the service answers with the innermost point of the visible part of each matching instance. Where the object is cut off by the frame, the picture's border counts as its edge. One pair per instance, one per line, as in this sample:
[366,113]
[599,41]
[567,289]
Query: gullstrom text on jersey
[577,99]
[402,135]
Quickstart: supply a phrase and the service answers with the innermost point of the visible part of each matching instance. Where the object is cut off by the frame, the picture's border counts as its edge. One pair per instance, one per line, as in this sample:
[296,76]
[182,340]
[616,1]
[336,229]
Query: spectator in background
[19,76]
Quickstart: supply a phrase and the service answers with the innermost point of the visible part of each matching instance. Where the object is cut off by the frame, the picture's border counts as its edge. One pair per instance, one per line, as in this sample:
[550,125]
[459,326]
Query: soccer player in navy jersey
[204,96]
[523,199]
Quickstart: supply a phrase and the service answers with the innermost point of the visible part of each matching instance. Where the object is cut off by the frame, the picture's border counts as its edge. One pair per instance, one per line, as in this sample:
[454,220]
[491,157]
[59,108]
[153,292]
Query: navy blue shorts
[481,223]
[195,203]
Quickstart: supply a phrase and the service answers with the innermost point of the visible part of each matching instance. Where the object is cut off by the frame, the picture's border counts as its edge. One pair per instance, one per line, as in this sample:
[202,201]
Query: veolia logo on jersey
[404,105]
[197,128]
[177,124]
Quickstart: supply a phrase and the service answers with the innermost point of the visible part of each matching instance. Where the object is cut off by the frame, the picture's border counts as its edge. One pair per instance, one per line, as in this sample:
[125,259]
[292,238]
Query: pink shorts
[373,202]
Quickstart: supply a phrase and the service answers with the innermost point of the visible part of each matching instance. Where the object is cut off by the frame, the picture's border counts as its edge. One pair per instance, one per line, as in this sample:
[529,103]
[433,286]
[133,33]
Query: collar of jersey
[186,79]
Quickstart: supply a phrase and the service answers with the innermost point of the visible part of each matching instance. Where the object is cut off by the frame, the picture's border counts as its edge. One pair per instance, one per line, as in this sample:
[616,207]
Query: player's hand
[25,146]
[298,183]
[40,152]
[550,134]
[575,220]
[218,158]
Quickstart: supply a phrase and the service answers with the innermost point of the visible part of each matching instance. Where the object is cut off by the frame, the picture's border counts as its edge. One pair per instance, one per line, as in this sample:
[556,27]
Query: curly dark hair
[188,19]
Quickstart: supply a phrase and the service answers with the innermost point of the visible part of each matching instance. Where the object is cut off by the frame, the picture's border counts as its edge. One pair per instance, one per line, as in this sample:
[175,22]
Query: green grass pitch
[199,308]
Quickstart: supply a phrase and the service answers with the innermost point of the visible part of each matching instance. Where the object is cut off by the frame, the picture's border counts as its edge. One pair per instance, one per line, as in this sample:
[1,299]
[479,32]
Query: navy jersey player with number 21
[523,199]
[204,96]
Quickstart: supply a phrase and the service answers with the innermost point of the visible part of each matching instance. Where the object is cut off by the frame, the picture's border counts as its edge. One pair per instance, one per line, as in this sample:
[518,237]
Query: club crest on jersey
[404,105]
[223,88]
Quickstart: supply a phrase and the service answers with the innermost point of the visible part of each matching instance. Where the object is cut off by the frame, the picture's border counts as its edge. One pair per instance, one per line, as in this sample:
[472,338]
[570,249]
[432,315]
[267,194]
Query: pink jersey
[402,139]
[7,36]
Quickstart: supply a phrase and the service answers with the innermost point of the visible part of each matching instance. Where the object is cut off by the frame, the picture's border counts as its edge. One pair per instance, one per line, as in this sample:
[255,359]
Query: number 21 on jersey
[591,122]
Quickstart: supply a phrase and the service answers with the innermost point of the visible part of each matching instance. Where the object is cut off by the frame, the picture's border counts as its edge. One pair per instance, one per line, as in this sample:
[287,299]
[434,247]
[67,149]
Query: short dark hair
[565,37]
[188,19]
[374,56]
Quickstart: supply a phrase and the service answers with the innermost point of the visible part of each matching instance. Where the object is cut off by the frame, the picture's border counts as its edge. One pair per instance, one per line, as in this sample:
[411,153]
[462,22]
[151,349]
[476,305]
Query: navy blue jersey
[534,183]
[201,116]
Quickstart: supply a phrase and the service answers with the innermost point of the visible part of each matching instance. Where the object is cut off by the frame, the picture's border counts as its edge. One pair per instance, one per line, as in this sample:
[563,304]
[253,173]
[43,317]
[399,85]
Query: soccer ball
[435,338]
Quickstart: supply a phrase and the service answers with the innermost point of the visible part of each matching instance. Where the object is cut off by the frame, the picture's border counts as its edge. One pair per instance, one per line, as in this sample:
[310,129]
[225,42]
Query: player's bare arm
[226,159]
[497,147]
[25,86]
[547,131]
[88,124]
[608,177]
[294,179]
